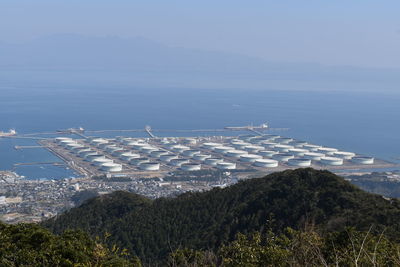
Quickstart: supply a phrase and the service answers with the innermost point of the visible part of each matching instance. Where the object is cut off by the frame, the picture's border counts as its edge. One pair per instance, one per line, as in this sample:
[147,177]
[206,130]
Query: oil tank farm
[243,153]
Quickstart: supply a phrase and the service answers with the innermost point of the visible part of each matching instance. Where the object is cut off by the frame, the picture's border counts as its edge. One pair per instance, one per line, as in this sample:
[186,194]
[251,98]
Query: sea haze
[63,81]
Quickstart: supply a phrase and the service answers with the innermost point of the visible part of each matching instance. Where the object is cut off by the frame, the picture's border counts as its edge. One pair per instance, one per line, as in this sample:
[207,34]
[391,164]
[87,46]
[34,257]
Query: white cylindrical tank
[313,155]
[298,143]
[190,152]
[223,149]
[283,156]
[158,153]
[311,147]
[112,148]
[266,163]
[190,167]
[299,162]
[298,151]
[179,148]
[149,166]
[75,147]
[226,165]
[189,141]
[100,161]
[128,156]
[342,154]
[363,160]
[213,161]
[111,167]
[88,156]
[98,141]
[283,140]
[283,148]
[253,148]
[250,158]
[168,157]
[267,153]
[332,161]
[201,157]
[138,161]
[236,153]
[269,145]
[326,150]
[84,151]
[178,162]
[210,145]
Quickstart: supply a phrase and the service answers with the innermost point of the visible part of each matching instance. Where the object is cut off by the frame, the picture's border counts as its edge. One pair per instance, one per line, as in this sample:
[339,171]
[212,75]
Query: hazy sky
[336,32]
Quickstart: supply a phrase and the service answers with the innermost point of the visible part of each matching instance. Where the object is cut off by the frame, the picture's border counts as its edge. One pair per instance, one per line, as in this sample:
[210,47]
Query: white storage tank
[363,160]
[266,163]
[250,158]
[326,150]
[148,150]
[283,148]
[343,155]
[283,156]
[189,141]
[179,148]
[283,140]
[298,151]
[111,167]
[253,149]
[311,147]
[112,148]
[269,145]
[128,156]
[226,165]
[190,152]
[98,141]
[139,146]
[158,153]
[84,151]
[149,166]
[213,161]
[299,162]
[236,153]
[100,161]
[119,152]
[88,156]
[190,167]
[223,149]
[138,161]
[75,147]
[298,143]
[178,162]
[210,145]
[332,161]
[201,157]
[168,157]
[267,153]
[313,155]
[65,143]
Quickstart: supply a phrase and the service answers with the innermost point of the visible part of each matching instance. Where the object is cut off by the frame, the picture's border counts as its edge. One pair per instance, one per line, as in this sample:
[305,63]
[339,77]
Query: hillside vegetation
[152,229]
[31,245]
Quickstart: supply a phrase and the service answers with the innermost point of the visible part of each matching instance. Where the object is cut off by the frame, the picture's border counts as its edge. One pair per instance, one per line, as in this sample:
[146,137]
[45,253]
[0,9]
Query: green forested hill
[31,245]
[152,229]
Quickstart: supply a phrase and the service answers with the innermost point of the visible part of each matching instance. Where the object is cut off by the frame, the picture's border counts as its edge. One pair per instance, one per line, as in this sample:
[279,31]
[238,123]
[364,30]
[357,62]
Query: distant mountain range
[70,52]
[152,229]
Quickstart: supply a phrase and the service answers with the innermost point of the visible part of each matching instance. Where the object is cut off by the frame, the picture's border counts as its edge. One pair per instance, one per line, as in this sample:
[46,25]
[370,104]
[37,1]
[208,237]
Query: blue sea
[362,122]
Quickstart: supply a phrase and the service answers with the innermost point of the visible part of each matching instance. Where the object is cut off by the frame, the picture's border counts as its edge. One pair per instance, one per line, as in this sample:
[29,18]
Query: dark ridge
[153,228]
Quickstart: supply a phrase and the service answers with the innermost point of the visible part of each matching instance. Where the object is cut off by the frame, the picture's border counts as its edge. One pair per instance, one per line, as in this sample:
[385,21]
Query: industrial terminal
[154,156]
[143,162]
